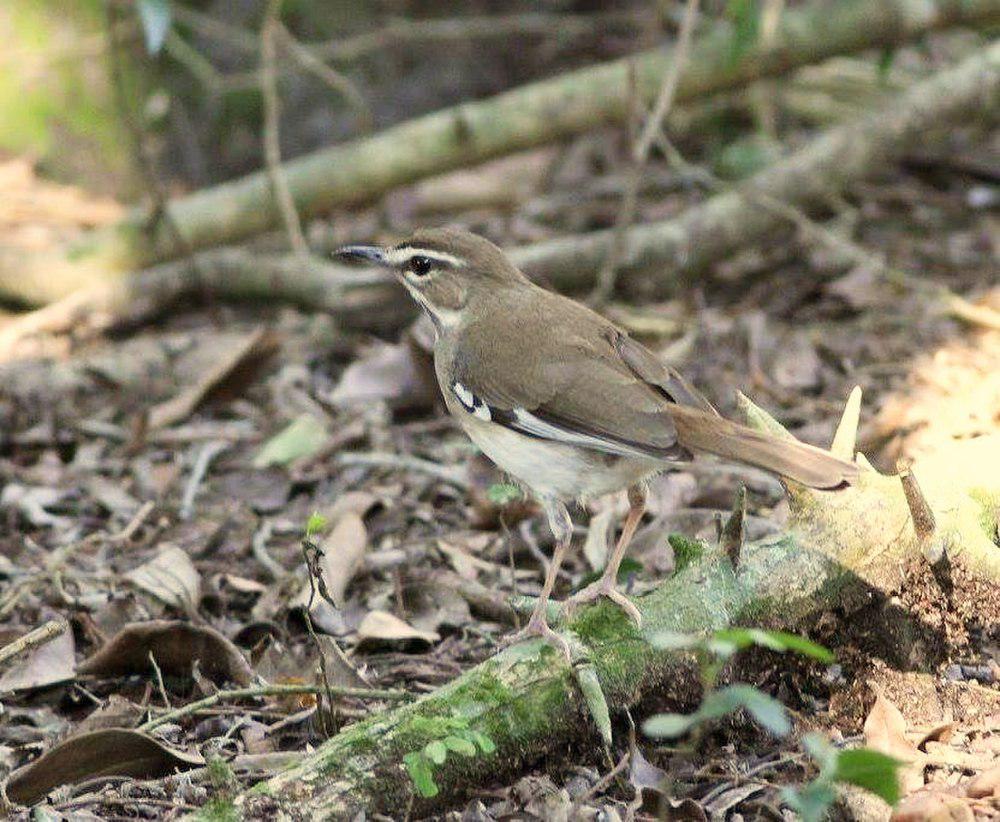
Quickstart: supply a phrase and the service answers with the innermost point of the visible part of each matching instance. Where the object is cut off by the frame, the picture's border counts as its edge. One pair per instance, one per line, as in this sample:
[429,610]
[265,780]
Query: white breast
[555,469]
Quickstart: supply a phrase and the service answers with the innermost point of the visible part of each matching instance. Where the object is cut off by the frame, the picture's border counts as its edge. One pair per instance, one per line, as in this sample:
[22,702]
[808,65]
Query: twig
[272,143]
[159,681]
[258,544]
[209,451]
[315,573]
[981,315]
[600,785]
[33,639]
[607,276]
[134,524]
[337,81]
[268,690]
[447,473]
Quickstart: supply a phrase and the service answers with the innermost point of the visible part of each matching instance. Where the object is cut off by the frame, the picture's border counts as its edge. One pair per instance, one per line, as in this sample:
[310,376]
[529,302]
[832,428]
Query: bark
[532,115]
[841,551]
[675,247]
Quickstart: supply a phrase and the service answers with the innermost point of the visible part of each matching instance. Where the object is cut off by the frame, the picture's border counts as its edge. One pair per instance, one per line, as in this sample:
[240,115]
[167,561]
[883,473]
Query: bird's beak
[364,254]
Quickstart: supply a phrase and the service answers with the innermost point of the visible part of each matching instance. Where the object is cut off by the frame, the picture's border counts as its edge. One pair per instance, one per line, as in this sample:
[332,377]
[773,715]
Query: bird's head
[444,269]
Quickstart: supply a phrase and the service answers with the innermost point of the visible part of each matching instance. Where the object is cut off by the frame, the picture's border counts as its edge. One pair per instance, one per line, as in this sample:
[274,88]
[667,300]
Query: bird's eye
[420,266]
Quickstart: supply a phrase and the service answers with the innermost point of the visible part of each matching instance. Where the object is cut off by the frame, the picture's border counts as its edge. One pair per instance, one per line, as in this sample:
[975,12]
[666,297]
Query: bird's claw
[539,628]
[603,587]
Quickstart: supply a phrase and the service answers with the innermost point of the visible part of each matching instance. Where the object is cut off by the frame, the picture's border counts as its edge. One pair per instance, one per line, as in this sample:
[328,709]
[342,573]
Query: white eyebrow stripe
[398,256]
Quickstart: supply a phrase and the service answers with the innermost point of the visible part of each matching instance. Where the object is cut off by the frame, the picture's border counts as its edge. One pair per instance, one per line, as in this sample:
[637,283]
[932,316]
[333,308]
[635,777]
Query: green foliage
[316,523]
[503,493]
[301,438]
[885,61]
[766,710]
[745,17]
[781,641]
[686,551]
[717,648]
[156,17]
[872,770]
[455,737]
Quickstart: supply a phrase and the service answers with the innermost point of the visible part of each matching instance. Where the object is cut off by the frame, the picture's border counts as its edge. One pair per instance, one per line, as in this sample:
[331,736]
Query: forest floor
[167,473]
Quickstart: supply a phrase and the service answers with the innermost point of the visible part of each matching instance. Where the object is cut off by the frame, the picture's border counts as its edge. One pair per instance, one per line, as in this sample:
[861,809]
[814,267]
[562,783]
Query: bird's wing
[569,376]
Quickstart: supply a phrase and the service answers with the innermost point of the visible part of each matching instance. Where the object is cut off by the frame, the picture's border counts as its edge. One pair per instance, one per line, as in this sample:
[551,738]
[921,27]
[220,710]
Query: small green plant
[745,17]
[862,767]
[715,650]
[865,768]
[455,737]
[503,493]
[315,524]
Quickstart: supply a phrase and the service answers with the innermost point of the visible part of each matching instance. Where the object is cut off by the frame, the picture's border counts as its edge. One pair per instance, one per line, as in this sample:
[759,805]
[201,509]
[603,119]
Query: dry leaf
[380,626]
[340,671]
[109,752]
[939,733]
[932,806]
[885,731]
[45,665]
[985,785]
[175,646]
[170,577]
[343,552]
[238,366]
[385,373]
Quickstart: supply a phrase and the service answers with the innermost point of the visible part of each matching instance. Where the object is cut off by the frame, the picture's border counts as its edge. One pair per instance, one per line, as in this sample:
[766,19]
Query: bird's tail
[796,460]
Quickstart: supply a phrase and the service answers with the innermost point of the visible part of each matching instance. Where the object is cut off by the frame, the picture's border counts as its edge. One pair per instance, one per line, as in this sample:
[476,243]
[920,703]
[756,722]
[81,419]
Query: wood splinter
[731,537]
[924,523]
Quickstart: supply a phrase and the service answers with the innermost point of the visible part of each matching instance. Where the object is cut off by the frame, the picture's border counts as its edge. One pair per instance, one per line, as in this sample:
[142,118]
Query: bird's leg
[538,622]
[605,586]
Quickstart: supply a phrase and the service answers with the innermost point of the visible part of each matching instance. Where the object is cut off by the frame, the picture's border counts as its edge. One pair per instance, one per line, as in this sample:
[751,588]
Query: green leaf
[419,768]
[436,752]
[503,493]
[811,802]
[302,438]
[155,16]
[820,749]
[767,711]
[872,770]
[885,60]
[746,26]
[460,745]
[315,524]
[775,640]
[486,745]
[669,726]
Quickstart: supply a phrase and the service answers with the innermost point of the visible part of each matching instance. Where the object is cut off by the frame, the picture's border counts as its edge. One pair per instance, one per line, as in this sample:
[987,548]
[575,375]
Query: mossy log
[841,550]
[472,132]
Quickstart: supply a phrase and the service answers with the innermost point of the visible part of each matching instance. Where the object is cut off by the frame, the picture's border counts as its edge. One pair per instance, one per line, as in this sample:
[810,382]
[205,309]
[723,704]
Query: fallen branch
[699,236]
[842,551]
[532,115]
[33,639]
[806,179]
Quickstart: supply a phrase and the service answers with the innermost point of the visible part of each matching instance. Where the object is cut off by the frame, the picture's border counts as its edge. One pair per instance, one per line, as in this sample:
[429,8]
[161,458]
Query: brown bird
[565,401]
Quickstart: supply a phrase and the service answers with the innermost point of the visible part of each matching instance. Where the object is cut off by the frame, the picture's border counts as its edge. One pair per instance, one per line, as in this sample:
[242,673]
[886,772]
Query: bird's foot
[538,626]
[603,587]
